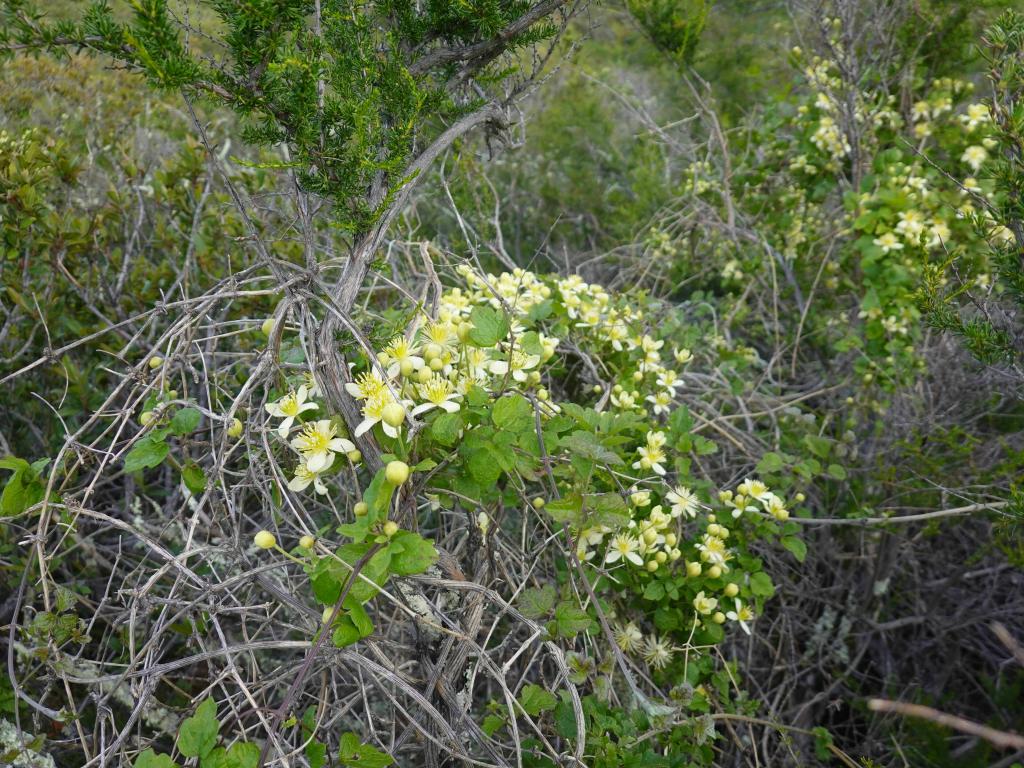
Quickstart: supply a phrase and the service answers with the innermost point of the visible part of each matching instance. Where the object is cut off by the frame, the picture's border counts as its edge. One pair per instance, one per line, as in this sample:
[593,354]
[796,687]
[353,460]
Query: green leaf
[535,700]
[606,509]
[796,546]
[198,734]
[570,619]
[492,724]
[194,478]
[587,445]
[836,471]
[536,602]
[316,754]
[770,463]
[445,428]
[15,464]
[150,759]
[185,421]
[513,412]
[411,554]
[149,452]
[489,326]
[761,584]
[568,509]
[819,446]
[354,753]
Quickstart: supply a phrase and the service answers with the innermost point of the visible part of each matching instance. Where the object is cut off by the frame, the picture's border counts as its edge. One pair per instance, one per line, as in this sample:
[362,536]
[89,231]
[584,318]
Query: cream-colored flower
[657,652]
[624,547]
[704,605]
[438,392]
[683,501]
[742,614]
[304,477]
[289,408]
[316,443]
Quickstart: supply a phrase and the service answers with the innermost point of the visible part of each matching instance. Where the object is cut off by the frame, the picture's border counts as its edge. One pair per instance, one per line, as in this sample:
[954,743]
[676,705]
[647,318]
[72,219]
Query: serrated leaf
[568,509]
[836,471]
[536,602]
[149,452]
[513,412]
[535,700]
[492,724]
[587,445]
[198,734]
[770,463]
[150,759]
[185,421]
[194,478]
[796,546]
[446,427]
[761,584]
[354,753]
[489,326]
[411,554]
[570,619]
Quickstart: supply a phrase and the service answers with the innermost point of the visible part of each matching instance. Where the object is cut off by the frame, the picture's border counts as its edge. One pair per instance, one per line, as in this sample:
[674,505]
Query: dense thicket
[511,383]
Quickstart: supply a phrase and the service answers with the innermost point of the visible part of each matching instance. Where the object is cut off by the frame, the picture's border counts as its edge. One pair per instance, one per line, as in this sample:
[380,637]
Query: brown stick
[1001,739]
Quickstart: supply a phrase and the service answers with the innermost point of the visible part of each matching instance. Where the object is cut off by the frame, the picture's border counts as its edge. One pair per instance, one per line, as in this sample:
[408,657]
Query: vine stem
[300,678]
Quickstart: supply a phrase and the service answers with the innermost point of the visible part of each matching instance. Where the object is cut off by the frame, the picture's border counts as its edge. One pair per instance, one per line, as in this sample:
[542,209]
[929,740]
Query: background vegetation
[809,211]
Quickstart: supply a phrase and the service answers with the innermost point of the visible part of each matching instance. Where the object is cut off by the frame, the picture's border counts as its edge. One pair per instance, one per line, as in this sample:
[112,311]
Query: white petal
[316,462]
[285,426]
[299,483]
[450,406]
[422,408]
[364,426]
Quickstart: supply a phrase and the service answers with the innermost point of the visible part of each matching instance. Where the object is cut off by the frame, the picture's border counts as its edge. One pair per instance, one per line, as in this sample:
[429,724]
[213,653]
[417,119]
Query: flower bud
[145,417]
[424,374]
[390,528]
[155,362]
[661,557]
[714,571]
[731,590]
[693,570]
[268,326]
[396,472]
[328,612]
[264,540]
[354,456]
[360,508]
[718,617]
[307,542]
[393,414]
[234,428]
[652,565]
[436,364]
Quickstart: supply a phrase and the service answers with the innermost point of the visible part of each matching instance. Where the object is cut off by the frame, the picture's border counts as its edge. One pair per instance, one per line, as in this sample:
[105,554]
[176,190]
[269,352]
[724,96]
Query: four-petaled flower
[289,408]
[316,443]
[624,547]
[438,392]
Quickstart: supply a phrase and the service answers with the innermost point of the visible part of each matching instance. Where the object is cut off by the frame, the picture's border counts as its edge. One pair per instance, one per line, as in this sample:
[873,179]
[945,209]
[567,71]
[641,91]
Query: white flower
[753,488]
[373,413]
[683,501]
[704,605]
[289,407]
[742,614]
[437,393]
[661,402]
[888,242]
[316,442]
[975,156]
[403,357]
[367,385]
[303,478]
[625,547]
[518,363]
